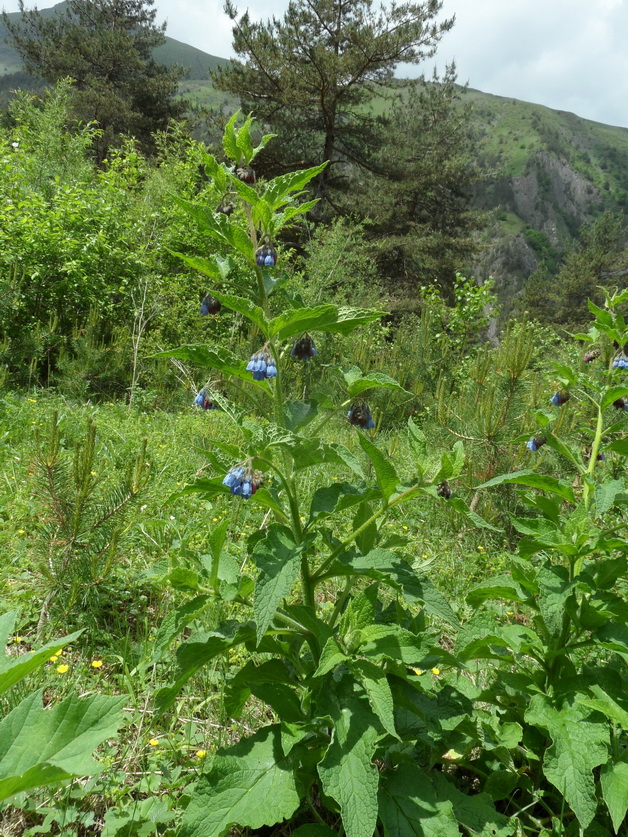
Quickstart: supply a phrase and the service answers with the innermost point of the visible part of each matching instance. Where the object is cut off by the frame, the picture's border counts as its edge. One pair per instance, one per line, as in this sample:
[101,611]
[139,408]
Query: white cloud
[566,54]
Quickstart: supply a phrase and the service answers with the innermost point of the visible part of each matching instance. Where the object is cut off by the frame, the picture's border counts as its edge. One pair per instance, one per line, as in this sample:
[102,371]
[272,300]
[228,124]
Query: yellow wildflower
[154,742]
[417,671]
[62,669]
[200,754]
[54,658]
[18,639]
[21,532]
[96,663]
[435,671]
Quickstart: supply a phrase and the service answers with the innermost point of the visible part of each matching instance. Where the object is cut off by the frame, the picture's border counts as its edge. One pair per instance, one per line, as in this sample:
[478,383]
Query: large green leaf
[579,745]
[375,683]
[331,499]
[278,558]
[357,382]
[220,359]
[530,478]
[40,746]
[347,771]
[251,784]
[198,650]
[281,189]
[555,588]
[409,806]
[387,566]
[13,669]
[385,473]
[614,782]
[216,267]
[392,642]
[324,317]
[462,508]
[271,682]
[219,225]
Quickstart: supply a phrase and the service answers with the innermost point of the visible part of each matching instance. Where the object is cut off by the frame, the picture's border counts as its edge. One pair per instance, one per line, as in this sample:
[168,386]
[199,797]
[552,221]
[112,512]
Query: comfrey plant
[345,650]
[556,666]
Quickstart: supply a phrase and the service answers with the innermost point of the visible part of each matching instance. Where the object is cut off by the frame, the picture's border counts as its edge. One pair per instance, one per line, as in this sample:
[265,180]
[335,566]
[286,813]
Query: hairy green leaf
[251,784]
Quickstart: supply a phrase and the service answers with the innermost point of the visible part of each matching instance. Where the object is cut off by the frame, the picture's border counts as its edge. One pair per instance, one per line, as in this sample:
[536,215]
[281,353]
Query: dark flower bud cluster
[210,305]
[243,481]
[204,402]
[262,365]
[266,256]
[591,355]
[225,207]
[304,348]
[444,490]
[245,174]
[559,398]
[620,404]
[535,443]
[360,415]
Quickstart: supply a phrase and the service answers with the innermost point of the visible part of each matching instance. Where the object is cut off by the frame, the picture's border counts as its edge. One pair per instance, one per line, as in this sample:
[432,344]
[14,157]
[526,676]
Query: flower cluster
[620,404]
[203,401]
[262,365]
[266,256]
[210,305]
[243,481]
[225,207]
[535,443]
[245,174]
[620,361]
[444,490]
[304,348]
[559,398]
[591,355]
[360,414]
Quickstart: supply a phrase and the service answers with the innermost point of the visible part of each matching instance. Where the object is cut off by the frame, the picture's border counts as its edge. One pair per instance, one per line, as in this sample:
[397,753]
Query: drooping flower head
[243,481]
[444,490]
[262,365]
[245,174]
[210,305]
[591,355]
[225,207]
[304,348]
[535,443]
[620,404]
[204,402]
[560,397]
[620,361]
[360,415]
[266,255]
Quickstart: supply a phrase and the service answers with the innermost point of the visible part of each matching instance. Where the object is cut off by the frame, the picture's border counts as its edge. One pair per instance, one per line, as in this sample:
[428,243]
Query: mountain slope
[172,52]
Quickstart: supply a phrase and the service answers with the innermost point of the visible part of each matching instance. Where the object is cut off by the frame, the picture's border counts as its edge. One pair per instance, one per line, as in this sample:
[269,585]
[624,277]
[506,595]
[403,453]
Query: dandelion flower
[63,668]
[96,663]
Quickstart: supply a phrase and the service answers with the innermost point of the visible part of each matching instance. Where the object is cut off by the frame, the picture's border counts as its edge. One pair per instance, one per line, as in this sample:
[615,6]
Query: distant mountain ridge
[546,172]
[172,52]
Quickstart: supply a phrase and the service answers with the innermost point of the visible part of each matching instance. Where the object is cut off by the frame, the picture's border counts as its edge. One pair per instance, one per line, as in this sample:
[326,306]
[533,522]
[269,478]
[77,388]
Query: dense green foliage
[106,49]
[412,626]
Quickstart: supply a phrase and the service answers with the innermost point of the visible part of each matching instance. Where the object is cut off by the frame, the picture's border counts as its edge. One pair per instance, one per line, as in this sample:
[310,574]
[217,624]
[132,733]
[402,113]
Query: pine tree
[313,75]
[106,48]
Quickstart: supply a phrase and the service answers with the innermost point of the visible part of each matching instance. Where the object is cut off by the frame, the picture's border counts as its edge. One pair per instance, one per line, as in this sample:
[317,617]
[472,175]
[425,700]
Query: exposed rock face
[553,198]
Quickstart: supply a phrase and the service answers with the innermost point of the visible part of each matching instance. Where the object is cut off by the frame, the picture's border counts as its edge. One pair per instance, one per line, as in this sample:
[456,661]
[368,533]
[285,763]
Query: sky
[567,54]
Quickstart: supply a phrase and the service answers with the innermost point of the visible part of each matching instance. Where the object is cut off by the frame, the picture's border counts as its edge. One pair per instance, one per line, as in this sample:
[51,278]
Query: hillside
[172,52]
[547,173]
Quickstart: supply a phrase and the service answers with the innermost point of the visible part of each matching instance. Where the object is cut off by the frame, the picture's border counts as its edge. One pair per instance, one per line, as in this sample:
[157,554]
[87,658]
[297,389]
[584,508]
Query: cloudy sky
[566,54]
